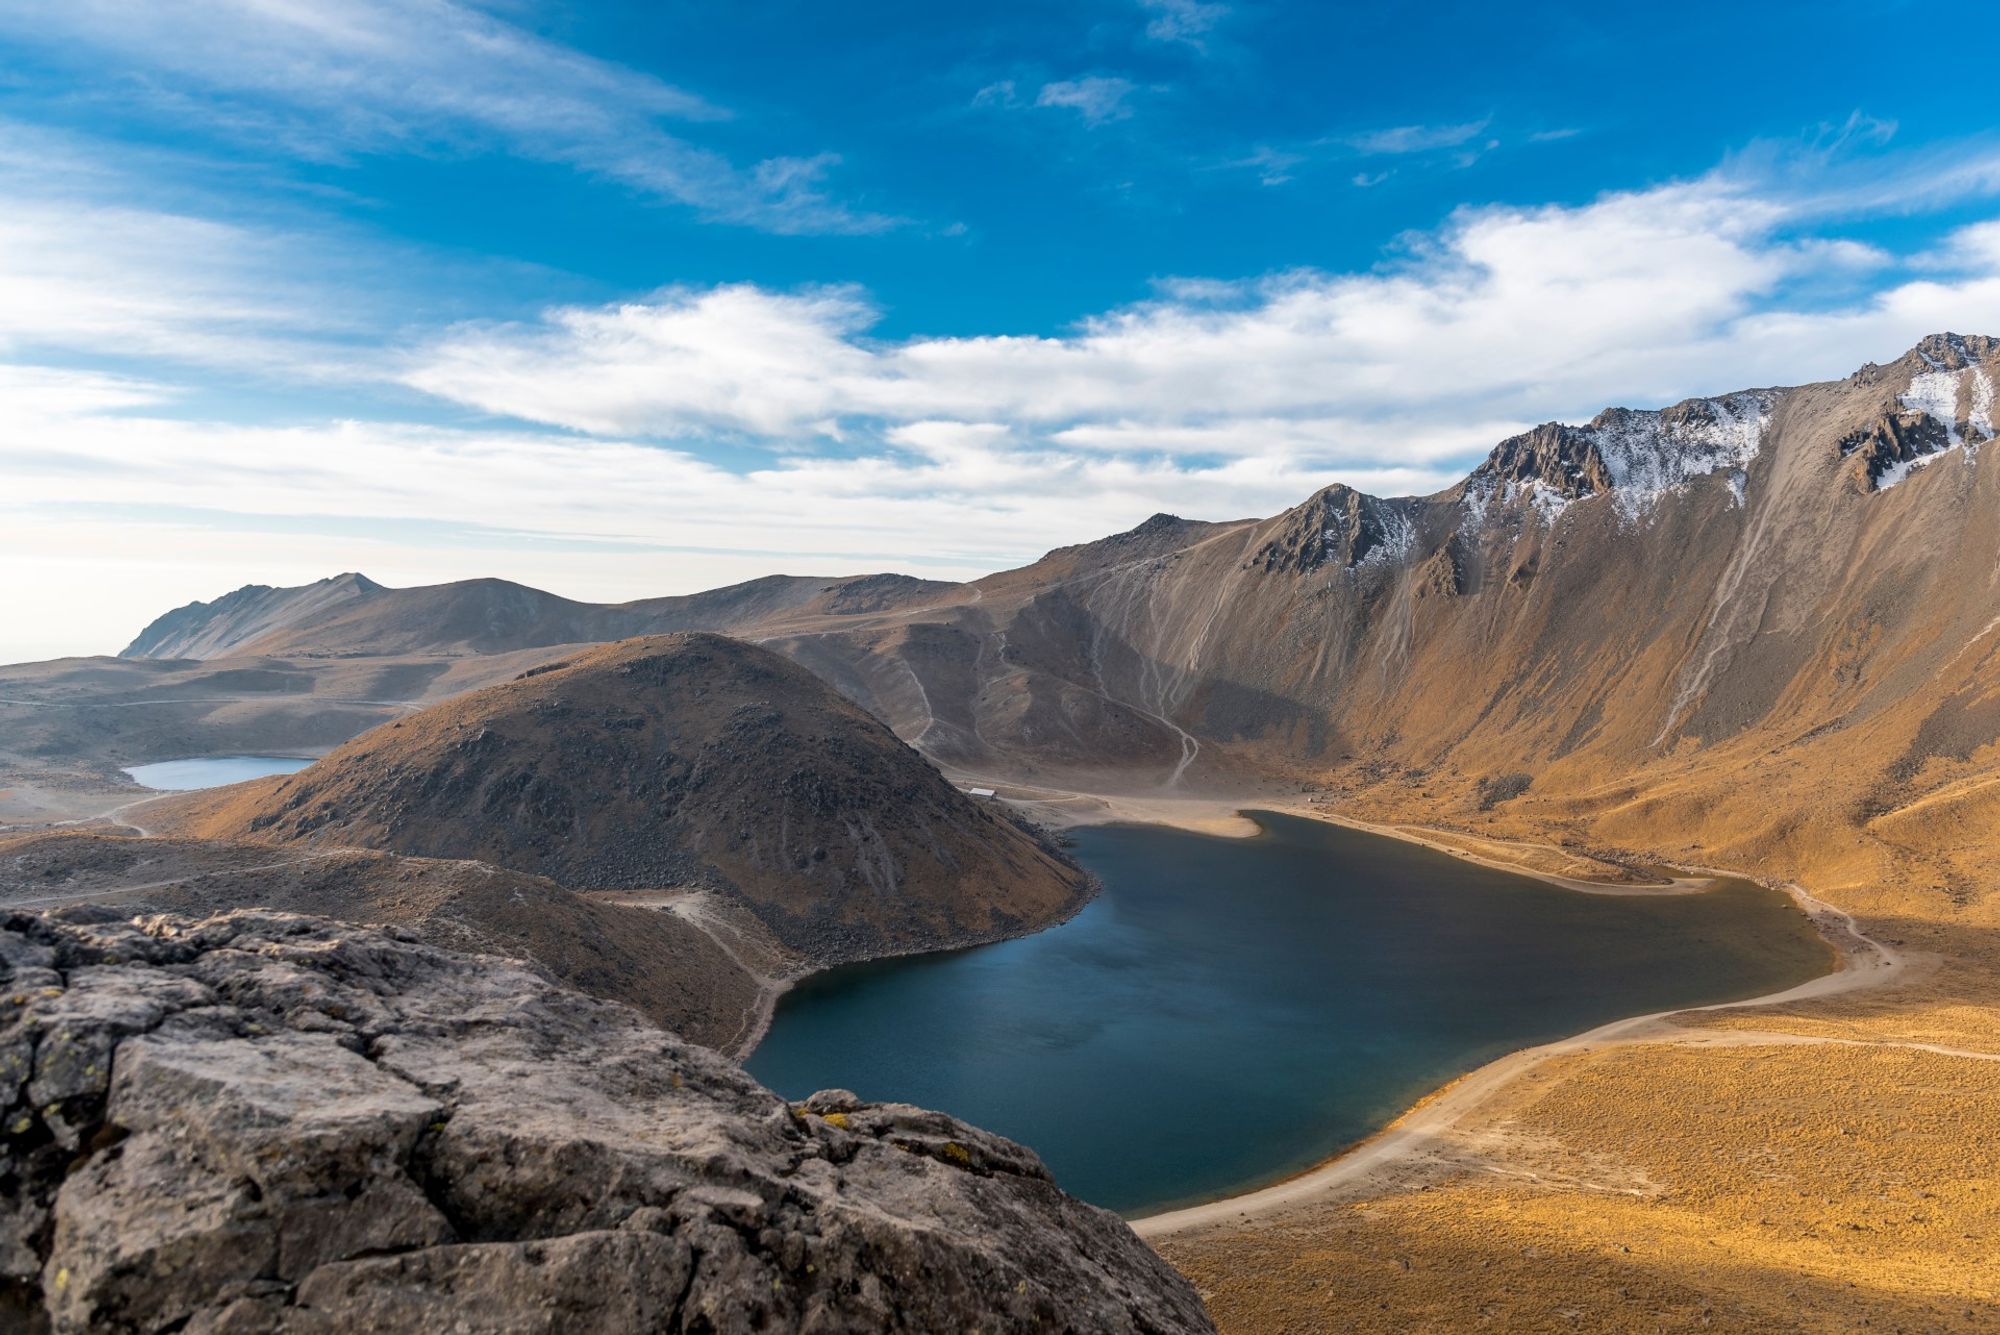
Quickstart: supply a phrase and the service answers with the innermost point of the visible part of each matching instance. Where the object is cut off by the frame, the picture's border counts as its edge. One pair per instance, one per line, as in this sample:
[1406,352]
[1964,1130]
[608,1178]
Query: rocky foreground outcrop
[261,1121]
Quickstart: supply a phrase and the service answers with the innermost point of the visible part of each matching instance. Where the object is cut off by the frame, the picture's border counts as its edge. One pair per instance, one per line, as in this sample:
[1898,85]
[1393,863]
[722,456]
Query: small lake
[212,771]
[1231,1011]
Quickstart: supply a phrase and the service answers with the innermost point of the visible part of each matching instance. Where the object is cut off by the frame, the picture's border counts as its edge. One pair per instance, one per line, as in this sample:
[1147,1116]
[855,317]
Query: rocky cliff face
[1760,624]
[262,1122]
[1343,527]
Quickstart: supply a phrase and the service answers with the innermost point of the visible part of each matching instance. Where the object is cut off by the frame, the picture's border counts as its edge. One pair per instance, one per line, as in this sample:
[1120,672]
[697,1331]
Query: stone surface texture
[262,1121]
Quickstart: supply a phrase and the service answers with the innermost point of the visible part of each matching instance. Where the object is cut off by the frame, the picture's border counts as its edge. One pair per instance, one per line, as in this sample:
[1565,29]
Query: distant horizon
[620,302]
[831,573]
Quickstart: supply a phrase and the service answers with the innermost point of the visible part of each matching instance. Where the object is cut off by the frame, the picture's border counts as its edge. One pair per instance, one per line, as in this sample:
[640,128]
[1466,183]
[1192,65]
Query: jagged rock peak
[262,1122]
[1635,455]
[1947,406]
[1954,352]
[1564,459]
[1340,526]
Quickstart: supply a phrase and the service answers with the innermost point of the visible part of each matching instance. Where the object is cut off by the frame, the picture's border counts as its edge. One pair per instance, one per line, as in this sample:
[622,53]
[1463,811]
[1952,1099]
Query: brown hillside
[351,616]
[680,760]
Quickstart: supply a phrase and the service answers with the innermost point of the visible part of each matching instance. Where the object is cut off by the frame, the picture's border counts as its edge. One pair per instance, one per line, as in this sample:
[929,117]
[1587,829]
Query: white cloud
[1414,138]
[936,455]
[121,514]
[143,283]
[1097,98]
[1001,93]
[1184,21]
[1272,165]
[400,75]
[734,358]
[101,259]
[1505,315]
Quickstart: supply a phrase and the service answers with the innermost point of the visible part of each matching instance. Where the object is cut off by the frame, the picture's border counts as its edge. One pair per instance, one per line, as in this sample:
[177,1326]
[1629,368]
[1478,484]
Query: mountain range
[1759,624]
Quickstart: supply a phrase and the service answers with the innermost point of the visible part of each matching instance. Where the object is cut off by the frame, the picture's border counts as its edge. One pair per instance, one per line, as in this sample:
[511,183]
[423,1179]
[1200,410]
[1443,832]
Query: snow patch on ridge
[1398,540]
[1901,470]
[1650,454]
[1547,502]
[1935,394]
[1478,496]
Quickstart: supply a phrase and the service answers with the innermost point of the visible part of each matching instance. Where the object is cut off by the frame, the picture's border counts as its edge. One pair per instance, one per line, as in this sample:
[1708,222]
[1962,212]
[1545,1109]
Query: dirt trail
[699,911]
[774,973]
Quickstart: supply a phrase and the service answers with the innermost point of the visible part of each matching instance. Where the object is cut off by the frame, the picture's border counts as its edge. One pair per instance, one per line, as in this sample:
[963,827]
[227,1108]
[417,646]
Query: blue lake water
[212,771]
[1231,1011]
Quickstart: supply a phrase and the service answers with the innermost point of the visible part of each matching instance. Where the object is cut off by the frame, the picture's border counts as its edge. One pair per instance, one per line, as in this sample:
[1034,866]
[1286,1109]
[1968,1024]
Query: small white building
[979,792]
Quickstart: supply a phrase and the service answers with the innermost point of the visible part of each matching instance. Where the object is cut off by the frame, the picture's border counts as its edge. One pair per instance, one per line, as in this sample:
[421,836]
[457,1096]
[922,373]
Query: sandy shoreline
[1864,962]
[1860,962]
[1224,816]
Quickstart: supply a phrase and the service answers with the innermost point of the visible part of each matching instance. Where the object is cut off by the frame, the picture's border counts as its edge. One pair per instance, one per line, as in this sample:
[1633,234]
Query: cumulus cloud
[392,75]
[1504,316]
[148,510]
[734,358]
[849,450]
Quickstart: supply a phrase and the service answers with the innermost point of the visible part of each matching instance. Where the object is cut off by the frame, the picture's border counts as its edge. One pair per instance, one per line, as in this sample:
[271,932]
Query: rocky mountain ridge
[1653,602]
[351,616]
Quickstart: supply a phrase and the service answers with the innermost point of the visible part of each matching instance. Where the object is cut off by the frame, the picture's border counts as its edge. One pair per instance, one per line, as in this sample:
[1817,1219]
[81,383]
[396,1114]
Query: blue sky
[632,298]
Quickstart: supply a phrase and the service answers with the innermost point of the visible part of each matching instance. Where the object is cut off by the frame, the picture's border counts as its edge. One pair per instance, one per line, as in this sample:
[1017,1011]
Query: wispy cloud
[1183,21]
[1097,98]
[1445,145]
[1400,139]
[1272,165]
[102,262]
[385,75]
